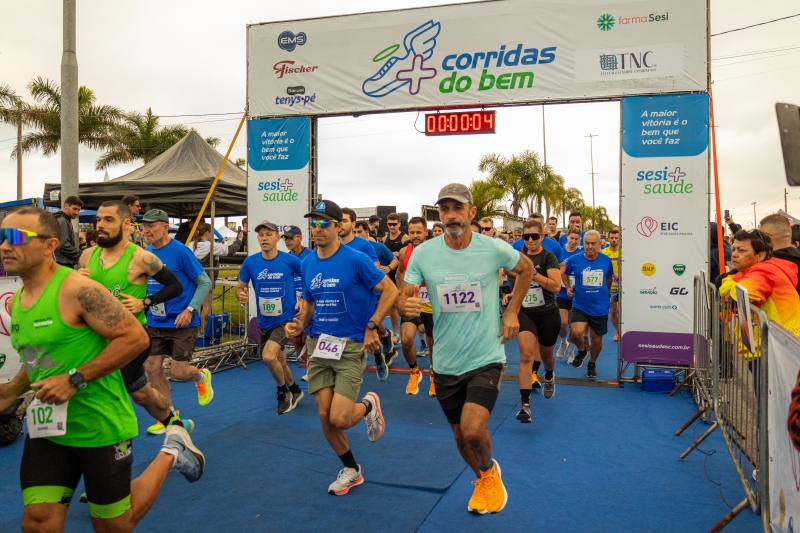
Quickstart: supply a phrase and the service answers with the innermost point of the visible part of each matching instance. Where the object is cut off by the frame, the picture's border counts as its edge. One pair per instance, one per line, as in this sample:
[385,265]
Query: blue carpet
[593,460]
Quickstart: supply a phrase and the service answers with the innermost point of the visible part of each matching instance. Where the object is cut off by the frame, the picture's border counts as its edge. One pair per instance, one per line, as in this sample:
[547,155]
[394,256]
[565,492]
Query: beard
[110,241]
[455,230]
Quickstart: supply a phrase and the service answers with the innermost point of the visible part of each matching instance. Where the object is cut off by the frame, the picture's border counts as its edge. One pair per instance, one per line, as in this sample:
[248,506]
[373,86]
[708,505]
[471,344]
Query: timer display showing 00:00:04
[460,122]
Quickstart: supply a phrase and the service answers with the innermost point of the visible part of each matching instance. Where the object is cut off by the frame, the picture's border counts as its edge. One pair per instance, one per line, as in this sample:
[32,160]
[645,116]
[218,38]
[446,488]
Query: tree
[140,137]
[96,124]
[13,111]
[517,178]
[213,141]
[240,162]
[486,198]
[572,201]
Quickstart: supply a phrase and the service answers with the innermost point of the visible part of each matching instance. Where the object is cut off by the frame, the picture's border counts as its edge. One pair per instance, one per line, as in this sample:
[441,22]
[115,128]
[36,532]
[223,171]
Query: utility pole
[785,200]
[69,107]
[755,223]
[544,137]
[591,156]
[19,155]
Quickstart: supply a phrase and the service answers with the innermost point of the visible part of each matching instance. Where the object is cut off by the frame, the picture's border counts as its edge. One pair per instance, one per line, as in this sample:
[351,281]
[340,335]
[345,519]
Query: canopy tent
[176,181]
[792,219]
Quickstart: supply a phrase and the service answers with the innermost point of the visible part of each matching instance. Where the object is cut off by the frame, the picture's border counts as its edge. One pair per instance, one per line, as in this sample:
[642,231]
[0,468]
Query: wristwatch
[147,302]
[76,379]
[372,325]
[190,308]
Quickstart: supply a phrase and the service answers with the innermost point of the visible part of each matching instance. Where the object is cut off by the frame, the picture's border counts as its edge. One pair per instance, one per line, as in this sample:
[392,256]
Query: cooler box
[216,325]
[658,380]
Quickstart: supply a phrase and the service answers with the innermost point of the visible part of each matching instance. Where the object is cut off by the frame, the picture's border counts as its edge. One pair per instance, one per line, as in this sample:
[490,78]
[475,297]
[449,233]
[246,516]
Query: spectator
[374,226]
[201,247]
[796,236]
[503,236]
[733,226]
[133,204]
[780,233]
[185,230]
[82,240]
[475,226]
[91,238]
[68,251]
[243,235]
[438,229]
[487,227]
[517,234]
[713,263]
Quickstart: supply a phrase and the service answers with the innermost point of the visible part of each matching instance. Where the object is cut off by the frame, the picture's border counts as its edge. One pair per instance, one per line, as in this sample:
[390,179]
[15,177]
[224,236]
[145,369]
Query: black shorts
[563,303]
[480,386]
[177,343]
[133,373]
[424,319]
[599,324]
[276,335]
[49,473]
[545,325]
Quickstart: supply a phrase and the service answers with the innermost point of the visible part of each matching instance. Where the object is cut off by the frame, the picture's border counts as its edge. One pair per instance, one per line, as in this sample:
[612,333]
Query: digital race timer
[459,122]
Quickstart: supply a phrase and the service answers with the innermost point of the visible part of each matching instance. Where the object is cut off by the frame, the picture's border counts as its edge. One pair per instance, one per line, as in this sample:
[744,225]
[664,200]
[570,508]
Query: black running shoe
[578,362]
[524,413]
[591,372]
[284,402]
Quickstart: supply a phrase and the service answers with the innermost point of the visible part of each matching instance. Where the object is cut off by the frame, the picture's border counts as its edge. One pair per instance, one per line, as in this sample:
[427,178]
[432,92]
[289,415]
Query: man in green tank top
[73,337]
[123,268]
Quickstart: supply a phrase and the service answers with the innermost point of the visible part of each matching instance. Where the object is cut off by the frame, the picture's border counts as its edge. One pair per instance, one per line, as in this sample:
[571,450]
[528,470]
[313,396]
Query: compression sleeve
[172,286]
[203,286]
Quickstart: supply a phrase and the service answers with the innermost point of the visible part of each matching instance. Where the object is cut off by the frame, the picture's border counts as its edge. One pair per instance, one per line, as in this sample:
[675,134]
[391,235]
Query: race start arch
[652,55]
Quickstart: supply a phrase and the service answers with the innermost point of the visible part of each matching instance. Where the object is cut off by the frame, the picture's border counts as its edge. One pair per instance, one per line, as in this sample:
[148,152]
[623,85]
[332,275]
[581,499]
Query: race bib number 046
[45,420]
[460,297]
[329,347]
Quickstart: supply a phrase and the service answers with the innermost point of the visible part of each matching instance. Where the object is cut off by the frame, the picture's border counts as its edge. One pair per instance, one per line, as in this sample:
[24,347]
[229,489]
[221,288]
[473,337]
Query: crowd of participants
[94,325]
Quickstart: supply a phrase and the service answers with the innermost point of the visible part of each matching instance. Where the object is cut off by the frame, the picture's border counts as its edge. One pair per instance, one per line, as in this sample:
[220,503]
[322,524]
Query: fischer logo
[284,68]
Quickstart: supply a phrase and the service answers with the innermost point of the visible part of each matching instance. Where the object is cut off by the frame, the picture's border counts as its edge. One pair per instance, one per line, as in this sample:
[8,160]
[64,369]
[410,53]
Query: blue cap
[292,231]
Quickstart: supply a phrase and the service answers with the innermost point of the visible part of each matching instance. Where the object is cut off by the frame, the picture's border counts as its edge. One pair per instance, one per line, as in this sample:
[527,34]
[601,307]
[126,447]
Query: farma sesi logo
[605,22]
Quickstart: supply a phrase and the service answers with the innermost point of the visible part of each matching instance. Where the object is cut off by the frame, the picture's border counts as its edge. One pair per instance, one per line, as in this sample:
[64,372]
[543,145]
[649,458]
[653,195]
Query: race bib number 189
[270,306]
[45,420]
[460,297]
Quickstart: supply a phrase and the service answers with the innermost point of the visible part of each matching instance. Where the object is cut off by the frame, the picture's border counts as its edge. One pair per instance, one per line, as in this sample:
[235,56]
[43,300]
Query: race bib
[329,347]
[460,297]
[571,281]
[45,420]
[534,298]
[423,295]
[158,310]
[270,306]
[592,278]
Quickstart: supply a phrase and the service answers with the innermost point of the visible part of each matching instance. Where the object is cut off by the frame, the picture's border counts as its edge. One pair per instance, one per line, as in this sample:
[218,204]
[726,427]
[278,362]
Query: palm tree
[13,112]
[240,162]
[572,201]
[486,198]
[517,177]
[551,185]
[140,137]
[96,124]
[213,141]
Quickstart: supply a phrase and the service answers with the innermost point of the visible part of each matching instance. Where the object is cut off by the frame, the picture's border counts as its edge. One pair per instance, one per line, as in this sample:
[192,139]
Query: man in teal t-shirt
[461,272]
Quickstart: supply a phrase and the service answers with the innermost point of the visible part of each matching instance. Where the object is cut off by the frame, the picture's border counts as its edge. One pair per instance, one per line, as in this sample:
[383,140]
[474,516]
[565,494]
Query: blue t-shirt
[591,287]
[186,267]
[385,256]
[564,256]
[273,284]
[340,288]
[464,340]
[298,280]
[363,246]
[563,239]
[547,243]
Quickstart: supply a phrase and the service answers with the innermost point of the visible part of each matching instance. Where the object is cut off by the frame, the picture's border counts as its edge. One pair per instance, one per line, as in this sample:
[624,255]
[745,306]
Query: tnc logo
[680,291]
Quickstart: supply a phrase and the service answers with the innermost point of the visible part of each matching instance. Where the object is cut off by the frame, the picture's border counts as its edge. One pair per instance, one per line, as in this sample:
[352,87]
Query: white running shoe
[396,338]
[570,358]
[562,349]
[347,479]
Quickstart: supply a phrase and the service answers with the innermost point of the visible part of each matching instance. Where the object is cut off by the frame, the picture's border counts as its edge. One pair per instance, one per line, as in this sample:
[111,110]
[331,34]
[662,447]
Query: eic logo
[289,41]
[648,225]
[680,291]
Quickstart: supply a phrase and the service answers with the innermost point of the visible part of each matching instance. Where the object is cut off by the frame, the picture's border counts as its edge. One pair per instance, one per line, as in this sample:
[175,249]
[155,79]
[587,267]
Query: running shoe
[422,351]
[570,358]
[303,364]
[432,388]
[381,370]
[524,413]
[205,392]
[396,338]
[158,427]
[388,342]
[296,397]
[477,503]
[284,402]
[413,382]
[390,357]
[493,489]
[578,361]
[374,420]
[347,479]
[304,378]
[190,461]
[591,371]
[549,387]
[562,349]
[616,336]
[535,383]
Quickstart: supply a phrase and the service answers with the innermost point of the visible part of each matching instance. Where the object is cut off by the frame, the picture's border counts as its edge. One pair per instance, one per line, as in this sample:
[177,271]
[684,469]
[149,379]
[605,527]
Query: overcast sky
[187,57]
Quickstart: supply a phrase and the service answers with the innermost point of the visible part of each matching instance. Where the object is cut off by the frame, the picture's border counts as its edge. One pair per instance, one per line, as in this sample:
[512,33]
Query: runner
[338,284]
[593,275]
[74,336]
[575,221]
[387,262]
[613,252]
[123,268]
[395,241]
[173,326]
[293,239]
[461,272]
[564,300]
[374,226]
[438,229]
[539,320]
[417,228]
[272,274]
[487,227]
[382,359]
[552,226]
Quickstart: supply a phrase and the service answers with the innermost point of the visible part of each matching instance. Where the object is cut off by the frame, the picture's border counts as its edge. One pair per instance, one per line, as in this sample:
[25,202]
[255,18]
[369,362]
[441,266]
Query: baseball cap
[374,218]
[327,210]
[266,224]
[457,192]
[292,231]
[156,215]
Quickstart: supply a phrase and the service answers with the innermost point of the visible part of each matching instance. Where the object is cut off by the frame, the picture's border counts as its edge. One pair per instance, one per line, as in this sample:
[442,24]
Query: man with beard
[124,268]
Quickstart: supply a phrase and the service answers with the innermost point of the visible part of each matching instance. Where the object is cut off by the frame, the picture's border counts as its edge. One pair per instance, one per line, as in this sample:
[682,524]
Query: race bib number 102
[46,420]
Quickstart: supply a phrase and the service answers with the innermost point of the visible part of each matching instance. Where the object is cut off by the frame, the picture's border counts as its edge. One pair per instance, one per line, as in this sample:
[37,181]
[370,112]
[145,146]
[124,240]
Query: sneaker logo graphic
[406,66]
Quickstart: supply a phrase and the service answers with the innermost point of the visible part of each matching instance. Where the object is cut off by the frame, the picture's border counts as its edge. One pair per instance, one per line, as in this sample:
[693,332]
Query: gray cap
[457,192]
[266,224]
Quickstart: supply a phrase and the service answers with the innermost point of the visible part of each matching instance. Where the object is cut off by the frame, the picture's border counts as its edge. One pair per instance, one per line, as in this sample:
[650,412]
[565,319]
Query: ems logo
[42,323]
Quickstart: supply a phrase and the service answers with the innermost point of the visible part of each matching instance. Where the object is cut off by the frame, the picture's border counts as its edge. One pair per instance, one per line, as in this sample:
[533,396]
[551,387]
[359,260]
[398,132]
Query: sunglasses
[322,223]
[16,236]
[392,225]
[484,228]
[531,236]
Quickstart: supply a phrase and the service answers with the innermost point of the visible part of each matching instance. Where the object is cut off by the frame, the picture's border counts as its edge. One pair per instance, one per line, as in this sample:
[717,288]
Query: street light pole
[755,224]
[69,106]
[591,156]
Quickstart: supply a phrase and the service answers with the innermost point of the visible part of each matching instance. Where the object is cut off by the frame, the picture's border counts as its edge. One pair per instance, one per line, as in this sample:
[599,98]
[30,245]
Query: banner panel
[664,223]
[784,448]
[482,53]
[9,357]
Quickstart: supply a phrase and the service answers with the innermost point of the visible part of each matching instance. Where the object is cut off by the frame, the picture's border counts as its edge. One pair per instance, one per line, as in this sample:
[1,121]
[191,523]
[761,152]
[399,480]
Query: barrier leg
[683,382]
[239,357]
[744,504]
[697,415]
[696,443]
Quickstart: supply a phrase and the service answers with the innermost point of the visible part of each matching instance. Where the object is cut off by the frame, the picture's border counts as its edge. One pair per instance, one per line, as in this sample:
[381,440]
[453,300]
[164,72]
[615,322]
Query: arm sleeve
[172,286]
[203,286]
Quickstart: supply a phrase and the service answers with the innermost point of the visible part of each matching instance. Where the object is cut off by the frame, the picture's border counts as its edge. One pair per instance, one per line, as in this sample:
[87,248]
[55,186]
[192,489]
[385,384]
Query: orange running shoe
[413,382]
[494,492]
[616,336]
[477,503]
[536,384]
[432,389]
